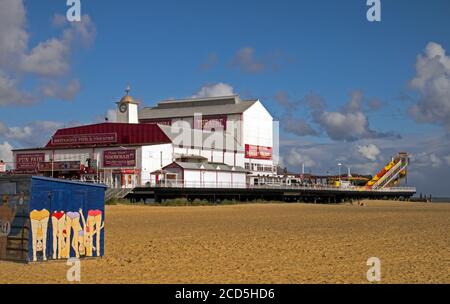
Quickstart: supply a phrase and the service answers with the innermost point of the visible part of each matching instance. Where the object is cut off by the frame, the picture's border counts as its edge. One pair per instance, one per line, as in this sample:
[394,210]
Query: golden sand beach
[273,243]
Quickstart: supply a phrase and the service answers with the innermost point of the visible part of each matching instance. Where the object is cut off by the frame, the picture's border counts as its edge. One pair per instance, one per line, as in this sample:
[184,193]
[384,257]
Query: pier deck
[269,193]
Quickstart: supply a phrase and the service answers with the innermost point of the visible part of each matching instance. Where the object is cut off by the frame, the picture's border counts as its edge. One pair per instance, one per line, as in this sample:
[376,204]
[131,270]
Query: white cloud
[324,158]
[47,63]
[298,126]
[246,61]
[18,133]
[436,162]
[48,58]
[10,94]
[83,32]
[283,99]
[6,153]
[296,158]
[447,159]
[344,126]
[292,123]
[348,124]
[109,116]
[35,134]
[59,20]
[370,151]
[52,57]
[420,159]
[215,90]
[55,90]
[432,82]
[13,36]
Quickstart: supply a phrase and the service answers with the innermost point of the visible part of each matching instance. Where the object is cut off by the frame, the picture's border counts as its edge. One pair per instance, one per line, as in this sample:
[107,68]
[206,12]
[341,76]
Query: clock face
[123,108]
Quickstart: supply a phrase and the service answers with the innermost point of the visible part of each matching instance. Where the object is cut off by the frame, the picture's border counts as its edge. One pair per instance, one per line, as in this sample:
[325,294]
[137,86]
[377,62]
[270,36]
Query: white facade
[231,158]
[253,126]
[204,177]
[258,131]
[155,158]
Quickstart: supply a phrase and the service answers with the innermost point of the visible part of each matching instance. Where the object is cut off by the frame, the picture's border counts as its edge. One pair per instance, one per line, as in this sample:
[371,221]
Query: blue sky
[294,49]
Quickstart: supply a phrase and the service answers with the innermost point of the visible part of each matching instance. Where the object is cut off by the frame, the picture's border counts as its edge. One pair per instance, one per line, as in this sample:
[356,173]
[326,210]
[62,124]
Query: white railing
[225,185]
[206,185]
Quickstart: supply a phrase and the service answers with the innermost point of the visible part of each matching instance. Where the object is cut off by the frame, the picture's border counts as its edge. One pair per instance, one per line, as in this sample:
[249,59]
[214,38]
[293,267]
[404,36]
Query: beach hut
[44,219]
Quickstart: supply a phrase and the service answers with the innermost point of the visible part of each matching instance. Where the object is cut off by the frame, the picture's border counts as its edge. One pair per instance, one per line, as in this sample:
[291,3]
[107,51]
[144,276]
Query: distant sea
[441,199]
[435,199]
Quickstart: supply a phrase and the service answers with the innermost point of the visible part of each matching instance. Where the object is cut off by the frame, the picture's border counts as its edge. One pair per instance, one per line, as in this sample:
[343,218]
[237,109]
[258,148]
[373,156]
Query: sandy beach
[285,243]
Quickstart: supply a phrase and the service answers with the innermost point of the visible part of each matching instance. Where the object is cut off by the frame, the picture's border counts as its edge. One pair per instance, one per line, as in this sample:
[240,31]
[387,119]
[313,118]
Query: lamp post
[340,165]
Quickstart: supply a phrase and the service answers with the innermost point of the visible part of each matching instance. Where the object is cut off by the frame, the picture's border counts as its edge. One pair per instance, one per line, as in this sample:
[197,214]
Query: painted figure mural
[94,227]
[69,230]
[45,219]
[39,226]
[59,235]
[73,227]
[7,214]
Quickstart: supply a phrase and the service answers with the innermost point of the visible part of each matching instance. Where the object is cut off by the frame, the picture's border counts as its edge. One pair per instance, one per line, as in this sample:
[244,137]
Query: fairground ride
[392,173]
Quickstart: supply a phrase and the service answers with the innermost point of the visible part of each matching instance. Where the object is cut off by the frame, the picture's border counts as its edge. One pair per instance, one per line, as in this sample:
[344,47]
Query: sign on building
[84,139]
[208,123]
[29,161]
[164,122]
[119,158]
[258,152]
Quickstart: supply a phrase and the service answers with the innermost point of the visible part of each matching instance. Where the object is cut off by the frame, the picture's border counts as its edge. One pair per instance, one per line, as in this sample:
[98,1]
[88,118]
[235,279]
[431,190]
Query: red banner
[258,152]
[59,166]
[208,123]
[84,139]
[26,162]
[119,158]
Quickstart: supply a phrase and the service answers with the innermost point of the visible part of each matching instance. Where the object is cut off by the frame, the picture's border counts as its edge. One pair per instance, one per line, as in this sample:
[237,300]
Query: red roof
[108,134]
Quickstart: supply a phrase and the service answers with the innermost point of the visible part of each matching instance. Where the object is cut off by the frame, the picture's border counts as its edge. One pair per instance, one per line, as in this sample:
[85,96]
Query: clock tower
[127,109]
